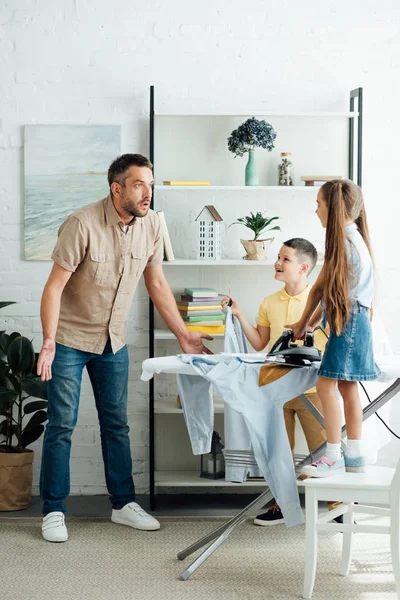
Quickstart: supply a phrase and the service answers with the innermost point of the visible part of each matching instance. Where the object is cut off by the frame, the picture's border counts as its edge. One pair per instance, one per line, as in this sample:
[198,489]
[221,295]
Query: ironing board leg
[223,532]
[256,504]
[208,551]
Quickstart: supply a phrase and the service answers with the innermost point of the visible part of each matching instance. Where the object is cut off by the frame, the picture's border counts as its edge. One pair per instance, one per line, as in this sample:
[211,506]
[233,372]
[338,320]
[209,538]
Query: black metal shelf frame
[355,165]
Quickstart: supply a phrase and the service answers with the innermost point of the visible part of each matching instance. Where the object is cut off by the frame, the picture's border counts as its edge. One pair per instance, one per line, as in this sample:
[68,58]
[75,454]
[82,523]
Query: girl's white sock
[354,448]
[333,451]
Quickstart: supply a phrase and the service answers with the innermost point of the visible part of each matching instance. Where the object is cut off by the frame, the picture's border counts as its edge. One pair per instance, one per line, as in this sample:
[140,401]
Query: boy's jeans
[108,374]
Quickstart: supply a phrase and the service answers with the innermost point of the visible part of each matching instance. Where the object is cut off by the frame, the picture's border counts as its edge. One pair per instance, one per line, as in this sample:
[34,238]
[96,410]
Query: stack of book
[186,182]
[318,180]
[201,310]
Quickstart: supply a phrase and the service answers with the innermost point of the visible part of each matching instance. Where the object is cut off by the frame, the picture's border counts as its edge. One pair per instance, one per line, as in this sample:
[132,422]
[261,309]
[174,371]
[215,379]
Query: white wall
[78,62]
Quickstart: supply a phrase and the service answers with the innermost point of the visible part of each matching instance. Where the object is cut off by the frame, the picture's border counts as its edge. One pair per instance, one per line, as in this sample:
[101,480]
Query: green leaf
[7,396]
[4,342]
[257,223]
[28,437]
[34,370]
[36,419]
[11,338]
[4,368]
[14,382]
[4,430]
[4,304]
[35,387]
[34,406]
[20,355]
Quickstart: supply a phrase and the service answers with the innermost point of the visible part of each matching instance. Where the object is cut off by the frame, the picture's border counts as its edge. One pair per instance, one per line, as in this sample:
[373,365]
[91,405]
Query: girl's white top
[361,283]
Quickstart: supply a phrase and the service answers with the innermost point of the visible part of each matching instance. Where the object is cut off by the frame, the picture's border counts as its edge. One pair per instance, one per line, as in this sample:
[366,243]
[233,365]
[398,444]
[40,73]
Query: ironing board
[390,369]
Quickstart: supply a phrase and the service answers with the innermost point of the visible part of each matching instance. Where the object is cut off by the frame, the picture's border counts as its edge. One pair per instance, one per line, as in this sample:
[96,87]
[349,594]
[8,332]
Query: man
[101,253]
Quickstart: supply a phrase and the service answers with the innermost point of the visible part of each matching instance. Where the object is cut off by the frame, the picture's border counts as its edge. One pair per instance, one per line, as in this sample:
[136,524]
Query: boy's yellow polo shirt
[280,309]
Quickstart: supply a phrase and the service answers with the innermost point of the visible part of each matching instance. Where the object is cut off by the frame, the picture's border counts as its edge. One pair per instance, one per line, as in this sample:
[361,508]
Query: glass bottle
[285,170]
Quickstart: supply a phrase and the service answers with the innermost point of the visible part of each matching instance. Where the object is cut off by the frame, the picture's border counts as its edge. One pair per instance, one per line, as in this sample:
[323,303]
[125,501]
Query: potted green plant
[256,249]
[23,406]
[245,138]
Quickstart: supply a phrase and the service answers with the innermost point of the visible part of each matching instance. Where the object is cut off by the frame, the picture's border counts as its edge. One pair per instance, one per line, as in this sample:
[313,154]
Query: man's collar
[112,217]
[300,297]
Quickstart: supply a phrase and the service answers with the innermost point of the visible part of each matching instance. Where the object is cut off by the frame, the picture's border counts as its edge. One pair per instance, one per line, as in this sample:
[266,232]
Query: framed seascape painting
[65,168]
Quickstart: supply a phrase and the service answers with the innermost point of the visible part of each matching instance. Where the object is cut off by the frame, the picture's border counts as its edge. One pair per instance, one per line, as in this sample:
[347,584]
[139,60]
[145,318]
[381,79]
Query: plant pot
[15,479]
[256,249]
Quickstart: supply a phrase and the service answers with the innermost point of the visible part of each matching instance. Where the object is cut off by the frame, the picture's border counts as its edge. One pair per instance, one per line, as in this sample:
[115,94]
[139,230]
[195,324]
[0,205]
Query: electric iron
[285,352]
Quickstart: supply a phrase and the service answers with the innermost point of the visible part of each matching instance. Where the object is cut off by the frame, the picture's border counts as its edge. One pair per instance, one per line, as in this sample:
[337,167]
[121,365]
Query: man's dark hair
[305,251]
[118,168]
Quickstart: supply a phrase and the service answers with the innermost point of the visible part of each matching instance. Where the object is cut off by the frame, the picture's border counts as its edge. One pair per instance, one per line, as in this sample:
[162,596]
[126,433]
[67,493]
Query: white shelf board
[266,188]
[346,114]
[225,262]
[170,407]
[193,479]
[165,334]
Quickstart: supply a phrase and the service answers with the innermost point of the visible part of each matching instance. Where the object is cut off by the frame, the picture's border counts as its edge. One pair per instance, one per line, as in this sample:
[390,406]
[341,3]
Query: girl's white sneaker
[324,467]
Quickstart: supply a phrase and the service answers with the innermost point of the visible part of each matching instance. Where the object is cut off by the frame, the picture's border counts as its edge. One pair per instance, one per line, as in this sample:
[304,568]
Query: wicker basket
[15,479]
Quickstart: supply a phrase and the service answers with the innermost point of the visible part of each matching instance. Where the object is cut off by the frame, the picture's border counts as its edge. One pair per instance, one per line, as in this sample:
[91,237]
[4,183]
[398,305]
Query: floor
[194,505]
[104,561]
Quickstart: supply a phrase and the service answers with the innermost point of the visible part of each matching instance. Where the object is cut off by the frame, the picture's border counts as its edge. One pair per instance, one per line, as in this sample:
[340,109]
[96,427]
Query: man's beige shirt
[106,265]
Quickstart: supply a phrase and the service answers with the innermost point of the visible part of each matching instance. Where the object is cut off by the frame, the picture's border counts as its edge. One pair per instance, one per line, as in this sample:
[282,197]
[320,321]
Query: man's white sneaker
[53,528]
[131,514]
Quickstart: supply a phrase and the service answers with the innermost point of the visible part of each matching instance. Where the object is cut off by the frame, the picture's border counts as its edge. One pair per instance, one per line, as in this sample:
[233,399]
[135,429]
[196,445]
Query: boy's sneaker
[354,465]
[53,528]
[324,467]
[338,519]
[273,516]
[332,506]
[133,515]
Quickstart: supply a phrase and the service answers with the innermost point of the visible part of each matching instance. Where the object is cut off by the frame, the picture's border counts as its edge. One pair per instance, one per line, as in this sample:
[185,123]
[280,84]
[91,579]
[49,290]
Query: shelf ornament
[208,238]
[249,135]
[212,464]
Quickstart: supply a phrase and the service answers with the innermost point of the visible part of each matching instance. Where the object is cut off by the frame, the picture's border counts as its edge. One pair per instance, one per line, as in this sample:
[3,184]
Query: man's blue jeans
[108,374]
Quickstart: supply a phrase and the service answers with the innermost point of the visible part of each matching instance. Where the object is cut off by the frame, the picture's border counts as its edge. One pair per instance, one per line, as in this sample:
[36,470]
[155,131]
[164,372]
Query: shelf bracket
[355,137]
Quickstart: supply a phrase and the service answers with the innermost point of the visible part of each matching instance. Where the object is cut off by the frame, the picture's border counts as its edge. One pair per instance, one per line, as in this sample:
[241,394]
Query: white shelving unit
[193,147]
[165,334]
[224,262]
[338,114]
[187,262]
[187,479]
[241,188]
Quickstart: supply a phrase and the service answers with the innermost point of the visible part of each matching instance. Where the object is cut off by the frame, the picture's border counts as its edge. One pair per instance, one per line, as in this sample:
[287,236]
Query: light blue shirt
[235,377]
[361,283]
[262,408]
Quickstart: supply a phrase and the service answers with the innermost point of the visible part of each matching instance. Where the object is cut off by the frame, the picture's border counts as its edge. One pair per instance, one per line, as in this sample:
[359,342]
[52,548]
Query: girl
[345,286]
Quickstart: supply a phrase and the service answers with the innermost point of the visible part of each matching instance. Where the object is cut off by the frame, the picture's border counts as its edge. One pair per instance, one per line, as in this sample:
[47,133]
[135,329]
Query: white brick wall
[77,62]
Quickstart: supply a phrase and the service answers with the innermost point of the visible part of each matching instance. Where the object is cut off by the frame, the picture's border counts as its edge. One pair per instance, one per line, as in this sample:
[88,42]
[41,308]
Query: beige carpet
[104,561]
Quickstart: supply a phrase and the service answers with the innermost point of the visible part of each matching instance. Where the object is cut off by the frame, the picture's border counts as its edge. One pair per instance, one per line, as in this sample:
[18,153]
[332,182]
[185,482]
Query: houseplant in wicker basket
[256,249]
[23,410]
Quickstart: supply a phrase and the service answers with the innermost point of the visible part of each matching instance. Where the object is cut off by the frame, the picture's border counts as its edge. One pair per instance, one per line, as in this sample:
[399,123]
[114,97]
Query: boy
[296,259]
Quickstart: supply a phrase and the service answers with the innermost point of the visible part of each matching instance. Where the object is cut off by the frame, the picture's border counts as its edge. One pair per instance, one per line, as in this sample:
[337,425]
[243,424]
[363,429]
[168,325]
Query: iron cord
[366,393]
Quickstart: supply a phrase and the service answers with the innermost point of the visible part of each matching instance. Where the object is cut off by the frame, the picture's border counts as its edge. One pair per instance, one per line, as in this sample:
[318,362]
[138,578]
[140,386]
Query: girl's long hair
[345,202]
